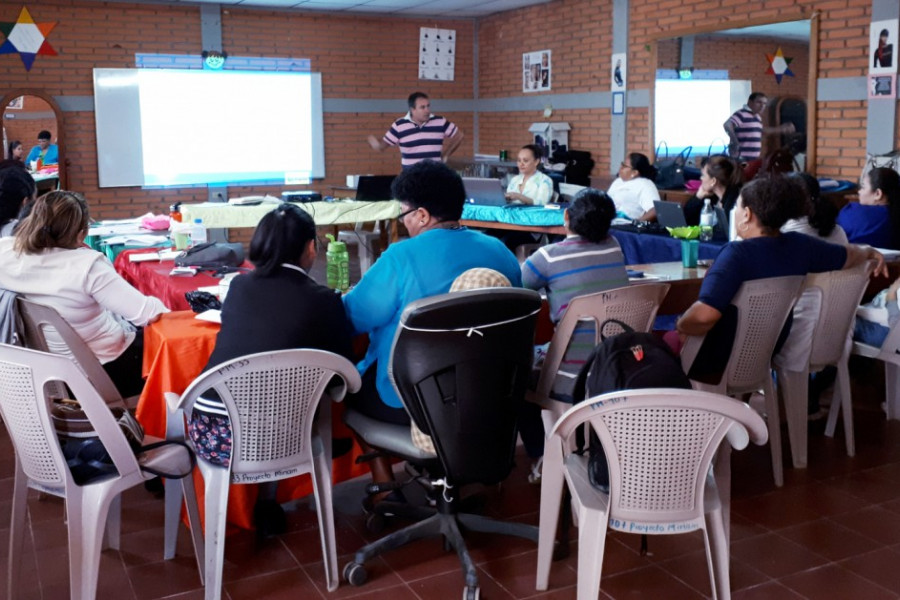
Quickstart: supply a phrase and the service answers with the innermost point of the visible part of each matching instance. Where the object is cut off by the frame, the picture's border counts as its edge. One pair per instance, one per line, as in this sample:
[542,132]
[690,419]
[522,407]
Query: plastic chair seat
[660,445]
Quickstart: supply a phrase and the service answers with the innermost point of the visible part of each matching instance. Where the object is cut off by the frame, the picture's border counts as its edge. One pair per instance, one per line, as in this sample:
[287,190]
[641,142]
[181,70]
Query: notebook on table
[484,191]
[374,187]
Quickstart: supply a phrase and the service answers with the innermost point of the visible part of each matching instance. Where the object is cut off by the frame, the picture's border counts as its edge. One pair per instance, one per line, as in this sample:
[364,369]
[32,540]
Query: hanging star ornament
[27,38]
[778,65]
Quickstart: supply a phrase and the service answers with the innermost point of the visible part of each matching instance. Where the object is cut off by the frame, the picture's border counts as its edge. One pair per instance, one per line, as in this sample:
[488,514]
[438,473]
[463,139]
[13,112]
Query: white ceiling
[418,8]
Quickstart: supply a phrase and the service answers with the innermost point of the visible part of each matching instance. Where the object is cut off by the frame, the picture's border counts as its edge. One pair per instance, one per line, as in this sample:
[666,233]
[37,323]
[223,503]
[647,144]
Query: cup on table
[690,251]
[181,239]
[33,166]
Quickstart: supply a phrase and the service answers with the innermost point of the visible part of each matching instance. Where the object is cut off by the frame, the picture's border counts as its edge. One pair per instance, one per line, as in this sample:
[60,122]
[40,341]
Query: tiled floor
[833,531]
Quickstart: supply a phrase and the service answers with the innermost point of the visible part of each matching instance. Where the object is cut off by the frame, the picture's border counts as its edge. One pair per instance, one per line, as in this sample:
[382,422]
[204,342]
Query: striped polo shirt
[419,142]
[570,268]
[748,128]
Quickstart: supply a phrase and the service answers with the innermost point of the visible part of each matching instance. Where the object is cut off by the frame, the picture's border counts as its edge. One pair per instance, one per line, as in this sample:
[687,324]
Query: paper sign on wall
[536,71]
[882,62]
[437,53]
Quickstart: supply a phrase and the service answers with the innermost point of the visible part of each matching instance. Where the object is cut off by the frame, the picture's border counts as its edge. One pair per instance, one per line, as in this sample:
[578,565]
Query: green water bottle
[337,265]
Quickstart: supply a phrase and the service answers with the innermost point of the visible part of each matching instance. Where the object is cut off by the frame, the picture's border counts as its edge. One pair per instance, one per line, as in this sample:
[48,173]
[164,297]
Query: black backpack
[629,360]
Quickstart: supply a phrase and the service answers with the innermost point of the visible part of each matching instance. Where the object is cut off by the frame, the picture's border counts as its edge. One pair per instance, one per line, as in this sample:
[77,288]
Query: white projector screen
[691,112]
[171,127]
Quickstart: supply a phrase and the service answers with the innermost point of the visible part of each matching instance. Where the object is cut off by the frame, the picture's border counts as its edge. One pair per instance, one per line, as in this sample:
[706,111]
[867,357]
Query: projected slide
[159,127]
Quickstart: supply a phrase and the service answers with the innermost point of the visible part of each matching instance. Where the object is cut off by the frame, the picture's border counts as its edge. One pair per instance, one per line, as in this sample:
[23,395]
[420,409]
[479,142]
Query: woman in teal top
[439,250]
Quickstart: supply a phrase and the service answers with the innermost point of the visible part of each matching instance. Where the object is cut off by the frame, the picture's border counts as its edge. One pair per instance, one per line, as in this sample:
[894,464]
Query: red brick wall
[22,125]
[745,59]
[359,58]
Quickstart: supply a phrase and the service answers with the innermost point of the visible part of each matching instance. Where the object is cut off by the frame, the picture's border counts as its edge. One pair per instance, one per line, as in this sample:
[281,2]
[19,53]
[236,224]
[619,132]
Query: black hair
[411,101]
[281,237]
[590,214]
[535,150]
[641,164]
[433,186]
[888,181]
[822,211]
[754,96]
[16,187]
[12,146]
[775,198]
[44,135]
[884,33]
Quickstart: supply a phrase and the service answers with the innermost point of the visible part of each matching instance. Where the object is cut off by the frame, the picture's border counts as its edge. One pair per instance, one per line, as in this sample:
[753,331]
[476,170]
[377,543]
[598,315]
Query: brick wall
[374,57]
[360,58]
[25,124]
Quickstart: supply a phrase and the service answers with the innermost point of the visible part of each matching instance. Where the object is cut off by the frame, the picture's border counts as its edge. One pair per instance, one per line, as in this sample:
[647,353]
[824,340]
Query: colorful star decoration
[27,38]
[778,65]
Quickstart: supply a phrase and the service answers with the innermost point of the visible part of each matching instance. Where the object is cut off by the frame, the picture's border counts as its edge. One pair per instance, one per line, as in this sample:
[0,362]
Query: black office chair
[460,363]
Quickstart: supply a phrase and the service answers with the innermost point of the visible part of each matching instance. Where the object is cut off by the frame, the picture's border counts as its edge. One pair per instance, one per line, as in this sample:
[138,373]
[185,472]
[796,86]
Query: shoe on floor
[395,497]
[534,477]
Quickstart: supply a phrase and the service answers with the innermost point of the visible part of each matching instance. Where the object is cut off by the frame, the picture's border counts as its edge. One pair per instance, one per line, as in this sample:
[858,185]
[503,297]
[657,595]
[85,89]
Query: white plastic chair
[828,344]
[763,306]
[38,320]
[367,243]
[634,305]
[889,354]
[272,399]
[92,509]
[659,444]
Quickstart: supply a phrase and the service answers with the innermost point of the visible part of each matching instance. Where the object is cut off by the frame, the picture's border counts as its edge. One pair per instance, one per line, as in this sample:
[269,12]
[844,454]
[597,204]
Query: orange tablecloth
[176,348]
[152,278]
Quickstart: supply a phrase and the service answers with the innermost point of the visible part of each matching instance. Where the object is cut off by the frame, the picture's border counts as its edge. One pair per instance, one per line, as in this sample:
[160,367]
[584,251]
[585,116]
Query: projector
[301,196]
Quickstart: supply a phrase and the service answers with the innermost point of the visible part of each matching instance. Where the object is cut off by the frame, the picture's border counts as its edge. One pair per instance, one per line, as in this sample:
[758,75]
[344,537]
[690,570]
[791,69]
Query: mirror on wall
[25,114]
[702,77]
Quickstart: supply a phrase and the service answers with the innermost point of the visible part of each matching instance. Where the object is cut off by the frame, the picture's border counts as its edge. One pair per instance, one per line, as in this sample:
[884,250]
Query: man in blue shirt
[47,152]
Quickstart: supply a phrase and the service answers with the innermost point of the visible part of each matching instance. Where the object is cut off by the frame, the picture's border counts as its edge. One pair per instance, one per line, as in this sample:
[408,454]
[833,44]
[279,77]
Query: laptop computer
[669,214]
[374,187]
[484,191]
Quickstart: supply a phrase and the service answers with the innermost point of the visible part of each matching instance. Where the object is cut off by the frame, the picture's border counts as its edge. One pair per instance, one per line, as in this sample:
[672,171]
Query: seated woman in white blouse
[47,261]
[634,191]
[530,186]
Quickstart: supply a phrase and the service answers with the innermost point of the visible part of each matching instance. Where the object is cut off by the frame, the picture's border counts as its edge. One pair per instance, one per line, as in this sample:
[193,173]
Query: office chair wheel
[472,593]
[375,522]
[355,574]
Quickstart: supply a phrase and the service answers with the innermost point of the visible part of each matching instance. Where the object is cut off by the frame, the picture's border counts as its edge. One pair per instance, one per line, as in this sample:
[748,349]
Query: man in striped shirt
[420,134]
[745,128]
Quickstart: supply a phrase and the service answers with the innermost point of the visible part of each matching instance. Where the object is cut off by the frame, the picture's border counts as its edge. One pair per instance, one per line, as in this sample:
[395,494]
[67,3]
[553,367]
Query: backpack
[215,256]
[629,360]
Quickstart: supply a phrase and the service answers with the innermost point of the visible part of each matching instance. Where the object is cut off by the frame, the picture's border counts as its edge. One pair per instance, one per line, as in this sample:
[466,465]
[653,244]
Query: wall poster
[437,53]
[536,71]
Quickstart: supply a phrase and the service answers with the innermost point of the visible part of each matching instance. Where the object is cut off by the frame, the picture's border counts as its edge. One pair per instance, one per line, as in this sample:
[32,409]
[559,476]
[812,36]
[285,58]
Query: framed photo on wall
[882,45]
[536,71]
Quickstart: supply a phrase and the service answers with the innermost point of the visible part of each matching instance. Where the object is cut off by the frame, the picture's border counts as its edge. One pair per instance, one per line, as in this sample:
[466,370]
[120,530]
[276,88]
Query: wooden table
[685,284]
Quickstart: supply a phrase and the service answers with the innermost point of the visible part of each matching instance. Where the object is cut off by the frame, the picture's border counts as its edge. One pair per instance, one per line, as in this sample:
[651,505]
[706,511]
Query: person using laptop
[420,134]
[530,186]
[720,181]
[634,191]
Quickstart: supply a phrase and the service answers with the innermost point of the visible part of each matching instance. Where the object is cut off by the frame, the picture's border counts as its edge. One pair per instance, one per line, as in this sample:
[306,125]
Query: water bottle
[337,265]
[707,221]
[198,232]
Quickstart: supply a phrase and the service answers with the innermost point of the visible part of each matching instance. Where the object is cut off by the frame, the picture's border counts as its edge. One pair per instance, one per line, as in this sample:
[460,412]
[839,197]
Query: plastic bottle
[707,221]
[39,164]
[337,272]
[198,233]
[175,212]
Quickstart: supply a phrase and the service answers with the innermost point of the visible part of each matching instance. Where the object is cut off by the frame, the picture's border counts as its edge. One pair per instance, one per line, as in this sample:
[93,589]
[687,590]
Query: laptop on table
[669,214]
[484,191]
[374,187]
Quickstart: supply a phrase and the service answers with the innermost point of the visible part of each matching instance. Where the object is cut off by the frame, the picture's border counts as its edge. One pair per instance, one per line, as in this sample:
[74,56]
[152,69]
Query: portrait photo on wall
[882,40]
[537,70]
[618,72]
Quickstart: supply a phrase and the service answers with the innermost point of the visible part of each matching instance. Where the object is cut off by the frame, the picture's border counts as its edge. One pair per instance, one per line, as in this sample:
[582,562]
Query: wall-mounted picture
[437,54]
[16,103]
[618,72]
[536,71]
[882,86]
[882,40]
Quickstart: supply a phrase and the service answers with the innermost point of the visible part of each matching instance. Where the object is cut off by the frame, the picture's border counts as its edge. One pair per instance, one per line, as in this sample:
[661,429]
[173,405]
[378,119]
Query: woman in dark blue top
[875,219]
[762,208]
